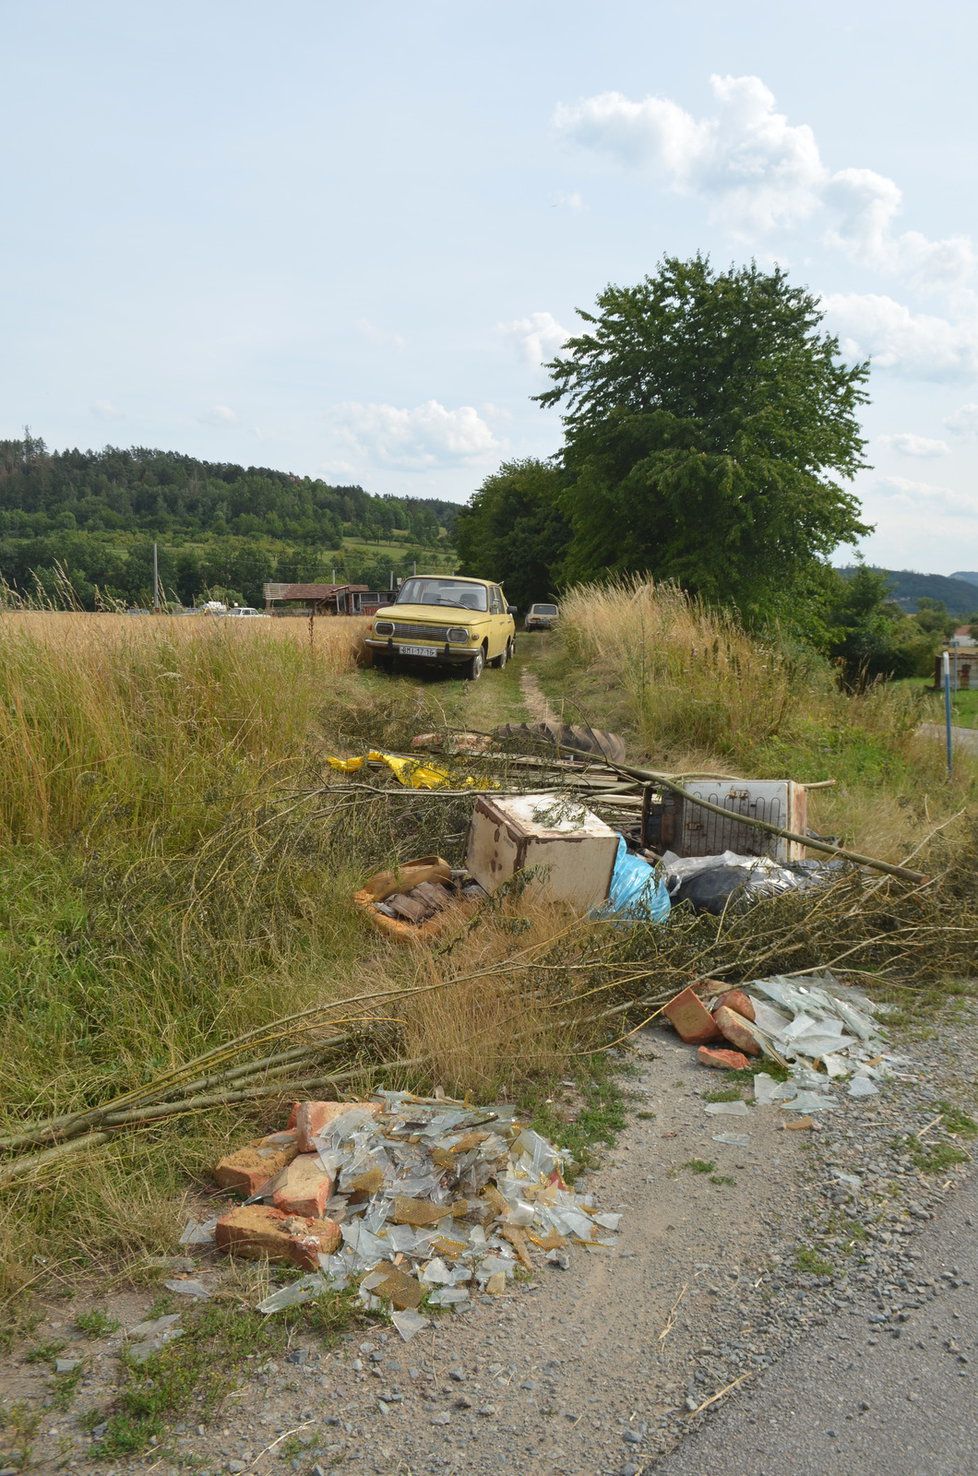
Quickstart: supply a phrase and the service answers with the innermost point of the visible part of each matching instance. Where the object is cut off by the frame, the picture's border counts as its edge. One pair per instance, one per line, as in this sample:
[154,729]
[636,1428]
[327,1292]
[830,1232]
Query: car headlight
[456,633]
[384,627]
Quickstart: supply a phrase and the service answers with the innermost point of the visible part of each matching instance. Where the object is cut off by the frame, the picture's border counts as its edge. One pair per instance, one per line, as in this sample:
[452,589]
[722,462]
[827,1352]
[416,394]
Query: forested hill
[907,588]
[218,525]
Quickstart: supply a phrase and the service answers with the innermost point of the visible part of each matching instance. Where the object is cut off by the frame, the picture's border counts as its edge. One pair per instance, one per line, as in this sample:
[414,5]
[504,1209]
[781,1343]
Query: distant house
[314,599]
[963,639]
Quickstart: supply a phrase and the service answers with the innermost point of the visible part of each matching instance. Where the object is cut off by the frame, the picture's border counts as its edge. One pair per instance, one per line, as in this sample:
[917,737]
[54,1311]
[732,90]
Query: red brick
[250,1168]
[724,1060]
[304,1188]
[739,1002]
[257,1231]
[734,1028]
[690,1017]
[311,1118]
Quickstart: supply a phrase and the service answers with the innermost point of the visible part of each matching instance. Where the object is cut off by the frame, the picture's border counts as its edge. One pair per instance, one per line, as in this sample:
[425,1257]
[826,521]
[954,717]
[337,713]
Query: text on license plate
[418,651]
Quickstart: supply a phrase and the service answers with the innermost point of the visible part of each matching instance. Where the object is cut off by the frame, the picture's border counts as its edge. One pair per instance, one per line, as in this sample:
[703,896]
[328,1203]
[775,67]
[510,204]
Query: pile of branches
[597,982]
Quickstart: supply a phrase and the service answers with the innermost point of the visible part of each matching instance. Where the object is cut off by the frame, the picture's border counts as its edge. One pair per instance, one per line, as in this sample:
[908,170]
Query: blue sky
[339,239]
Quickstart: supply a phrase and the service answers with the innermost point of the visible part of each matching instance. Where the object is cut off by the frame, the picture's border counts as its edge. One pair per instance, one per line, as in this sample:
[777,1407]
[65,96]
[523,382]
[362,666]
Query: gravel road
[849,1399]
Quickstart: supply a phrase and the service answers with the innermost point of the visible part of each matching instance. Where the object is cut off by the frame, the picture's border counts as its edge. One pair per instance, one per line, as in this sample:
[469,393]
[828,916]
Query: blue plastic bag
[636,892]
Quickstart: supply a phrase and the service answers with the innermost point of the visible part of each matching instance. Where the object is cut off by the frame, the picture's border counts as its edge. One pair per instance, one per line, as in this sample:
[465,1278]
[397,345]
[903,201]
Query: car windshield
[544,609]
[453,592]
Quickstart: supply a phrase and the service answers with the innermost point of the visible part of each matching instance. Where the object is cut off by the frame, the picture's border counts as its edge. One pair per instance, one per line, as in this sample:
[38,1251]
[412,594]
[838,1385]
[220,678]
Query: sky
[340,239]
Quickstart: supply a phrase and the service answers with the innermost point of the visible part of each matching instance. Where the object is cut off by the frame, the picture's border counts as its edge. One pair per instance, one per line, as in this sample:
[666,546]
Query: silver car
[541,617]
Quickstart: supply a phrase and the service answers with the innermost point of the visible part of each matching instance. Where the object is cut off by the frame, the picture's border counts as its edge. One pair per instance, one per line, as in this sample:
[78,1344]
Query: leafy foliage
[709,428]
[514,527]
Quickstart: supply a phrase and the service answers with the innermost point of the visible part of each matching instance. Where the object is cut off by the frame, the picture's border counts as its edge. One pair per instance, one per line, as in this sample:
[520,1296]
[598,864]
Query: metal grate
[423,632]
[707,834]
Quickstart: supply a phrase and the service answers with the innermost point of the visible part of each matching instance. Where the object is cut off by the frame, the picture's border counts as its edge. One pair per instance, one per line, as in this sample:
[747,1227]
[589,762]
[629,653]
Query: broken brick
[735,1028]
[691,1019]
[723,1059]
[250,1168]
[304,1188]
[739,1002]
[312,1118]
[257,1231]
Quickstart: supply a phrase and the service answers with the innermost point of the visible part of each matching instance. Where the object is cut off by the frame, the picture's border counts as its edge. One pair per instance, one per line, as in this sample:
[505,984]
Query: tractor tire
[532,737]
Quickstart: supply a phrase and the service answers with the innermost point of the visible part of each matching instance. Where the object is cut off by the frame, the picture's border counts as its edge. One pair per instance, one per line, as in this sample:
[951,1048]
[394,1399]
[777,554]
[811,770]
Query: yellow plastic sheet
[412,773]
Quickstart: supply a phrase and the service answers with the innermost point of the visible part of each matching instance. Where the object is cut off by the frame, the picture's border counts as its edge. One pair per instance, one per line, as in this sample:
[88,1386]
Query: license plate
[417,651]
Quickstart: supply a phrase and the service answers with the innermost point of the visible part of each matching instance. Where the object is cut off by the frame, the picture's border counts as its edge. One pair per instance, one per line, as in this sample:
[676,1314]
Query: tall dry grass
[695,690]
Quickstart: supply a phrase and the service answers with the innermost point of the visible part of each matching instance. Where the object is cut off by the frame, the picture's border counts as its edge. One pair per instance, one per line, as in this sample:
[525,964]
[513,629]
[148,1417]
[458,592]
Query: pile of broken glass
[458,1196]
[808,1019]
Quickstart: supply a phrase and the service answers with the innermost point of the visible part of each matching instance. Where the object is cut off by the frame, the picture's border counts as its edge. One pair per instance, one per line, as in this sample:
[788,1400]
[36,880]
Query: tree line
[91,517]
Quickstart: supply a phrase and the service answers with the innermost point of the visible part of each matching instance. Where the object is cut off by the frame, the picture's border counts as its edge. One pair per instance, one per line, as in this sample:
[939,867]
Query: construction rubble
[414,1202]
[817,1032]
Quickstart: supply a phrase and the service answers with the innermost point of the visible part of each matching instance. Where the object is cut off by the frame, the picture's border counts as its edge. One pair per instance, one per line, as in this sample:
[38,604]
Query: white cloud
[760,173]
[105,410]
[218,415]
[568,200]
[382,337]
[537,337]
[963,422]
[907,444]
[917,345]
[924,497]
[429,435]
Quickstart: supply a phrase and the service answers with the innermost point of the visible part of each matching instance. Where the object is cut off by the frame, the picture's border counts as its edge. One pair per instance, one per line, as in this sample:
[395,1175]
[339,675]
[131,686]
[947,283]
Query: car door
[498,633]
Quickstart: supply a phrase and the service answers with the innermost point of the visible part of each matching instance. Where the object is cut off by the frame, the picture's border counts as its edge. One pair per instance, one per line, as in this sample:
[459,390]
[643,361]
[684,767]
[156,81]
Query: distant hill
[96,514]
[971,576]
[958,591]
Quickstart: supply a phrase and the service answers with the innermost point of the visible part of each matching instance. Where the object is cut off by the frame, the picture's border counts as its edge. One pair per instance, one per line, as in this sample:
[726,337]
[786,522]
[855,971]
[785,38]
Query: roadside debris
[419,899]
[728,880]
[813,1027]
[425,1203]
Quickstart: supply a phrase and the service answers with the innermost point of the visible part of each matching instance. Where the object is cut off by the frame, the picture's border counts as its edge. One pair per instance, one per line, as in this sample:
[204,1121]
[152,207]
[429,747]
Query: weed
[600,1119]
[45,1352]
[699,1165]
[722,1179]
[192,1374]
[64,1388]
[645,1116]
[723,1094]
[934,1158]
[331,1315]
[957,1122]
[810,1262]
[95,1324]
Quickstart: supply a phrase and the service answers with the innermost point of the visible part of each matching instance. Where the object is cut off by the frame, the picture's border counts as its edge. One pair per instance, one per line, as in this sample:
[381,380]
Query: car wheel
[502,658]
[474,669]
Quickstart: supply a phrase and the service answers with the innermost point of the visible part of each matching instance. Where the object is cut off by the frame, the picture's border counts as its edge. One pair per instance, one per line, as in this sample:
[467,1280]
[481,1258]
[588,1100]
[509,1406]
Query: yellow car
[444,620]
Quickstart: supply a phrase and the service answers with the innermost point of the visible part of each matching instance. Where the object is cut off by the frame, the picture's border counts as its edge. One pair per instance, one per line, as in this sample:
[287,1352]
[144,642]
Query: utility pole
[156,580]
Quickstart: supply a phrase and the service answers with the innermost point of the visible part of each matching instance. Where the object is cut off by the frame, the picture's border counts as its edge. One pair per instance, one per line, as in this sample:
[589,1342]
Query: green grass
[725,1181]
[599,1118]
[811,1263]
[699,1165]
[193,1375]
[95,1324]
[964,704]
[46,1352]
[723,1094]
[956,1122]
[934,1158]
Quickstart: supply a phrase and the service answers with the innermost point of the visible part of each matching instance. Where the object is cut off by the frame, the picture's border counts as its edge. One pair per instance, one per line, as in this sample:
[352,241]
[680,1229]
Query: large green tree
[513,529]
[710,427]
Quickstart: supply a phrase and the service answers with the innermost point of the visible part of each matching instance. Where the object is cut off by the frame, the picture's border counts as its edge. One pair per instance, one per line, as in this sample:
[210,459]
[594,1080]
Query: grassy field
[695,692]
